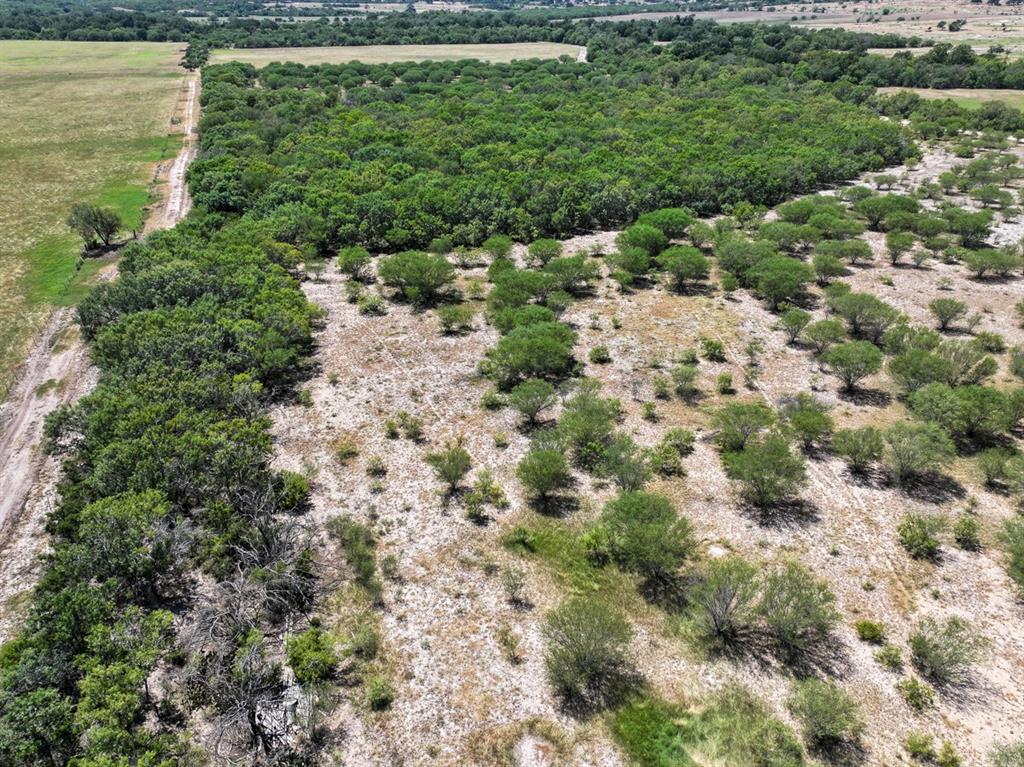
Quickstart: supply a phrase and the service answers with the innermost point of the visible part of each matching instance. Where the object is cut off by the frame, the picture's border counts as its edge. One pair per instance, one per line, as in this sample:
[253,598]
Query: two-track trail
[57,372]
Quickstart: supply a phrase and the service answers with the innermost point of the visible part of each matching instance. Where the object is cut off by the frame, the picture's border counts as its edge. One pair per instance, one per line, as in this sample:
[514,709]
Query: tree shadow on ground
[931,487]
[972,691]
[668,591]
[556,506]
[866,397]
[788,514]
[825,656]
[842,754]
[609,692]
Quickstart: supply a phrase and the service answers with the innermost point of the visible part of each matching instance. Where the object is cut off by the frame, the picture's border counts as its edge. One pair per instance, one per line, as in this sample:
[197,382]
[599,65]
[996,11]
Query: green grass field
[968,98]
[385,54]
[78,122]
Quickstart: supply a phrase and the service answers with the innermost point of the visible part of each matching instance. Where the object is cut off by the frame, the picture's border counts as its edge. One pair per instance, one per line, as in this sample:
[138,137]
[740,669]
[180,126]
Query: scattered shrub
[918,534]
[587,647]
[646,535]
[870,631]
[768,470]
[797,609]
[859,447]
[917,694]
[828,715]
[945,651]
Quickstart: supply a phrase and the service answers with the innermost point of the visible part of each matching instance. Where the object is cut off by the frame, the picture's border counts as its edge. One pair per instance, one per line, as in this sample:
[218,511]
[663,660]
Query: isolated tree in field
[587,651]
[539,252]
[737,422]
[851,251]
[807,419]
[798,610]
[827,267]
[701,234]
[947,311]
[450,464]
[626,463]
[586,422]
[823,333]
[898,244]
[859,447]
[853,361]
[418,276]
[867,315]
[793,321]
[353,261]
[646,535]
[497,245]
[686,265]
[644,236]
[544,472]
[540,350]
[915,368]
[780,278]
[94,223]
[725,597]
[768,470]
[531,397]
[917,448]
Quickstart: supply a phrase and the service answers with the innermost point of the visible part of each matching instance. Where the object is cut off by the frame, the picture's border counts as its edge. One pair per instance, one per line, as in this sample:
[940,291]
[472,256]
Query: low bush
[945,651]
[828,715]
[587,651]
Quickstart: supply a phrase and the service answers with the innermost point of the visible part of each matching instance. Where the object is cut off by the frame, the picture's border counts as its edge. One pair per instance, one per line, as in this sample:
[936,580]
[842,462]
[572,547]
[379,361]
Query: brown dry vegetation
[384,54]
[459,700]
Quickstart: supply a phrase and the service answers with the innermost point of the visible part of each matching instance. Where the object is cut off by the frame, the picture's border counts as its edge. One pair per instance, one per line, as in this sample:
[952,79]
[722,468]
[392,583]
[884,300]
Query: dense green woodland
[175,546]
[413,152]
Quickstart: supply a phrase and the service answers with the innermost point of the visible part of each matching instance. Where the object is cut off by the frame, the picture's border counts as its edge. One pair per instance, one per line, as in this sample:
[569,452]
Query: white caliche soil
[58,372]
[458,699]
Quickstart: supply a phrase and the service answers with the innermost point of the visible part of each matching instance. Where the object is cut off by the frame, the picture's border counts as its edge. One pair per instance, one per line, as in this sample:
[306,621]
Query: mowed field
[385,54]
[968,98]
[79,121]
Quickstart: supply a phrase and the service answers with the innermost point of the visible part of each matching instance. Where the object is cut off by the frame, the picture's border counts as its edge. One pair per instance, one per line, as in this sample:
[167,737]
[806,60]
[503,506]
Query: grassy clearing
[968,98]
[385,54]
[734,728]
[80,121]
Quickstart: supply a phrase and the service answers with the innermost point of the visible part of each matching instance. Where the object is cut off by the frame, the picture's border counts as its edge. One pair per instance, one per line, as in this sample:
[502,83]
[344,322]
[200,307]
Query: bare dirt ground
[169,178]
[57,372]
[459,700]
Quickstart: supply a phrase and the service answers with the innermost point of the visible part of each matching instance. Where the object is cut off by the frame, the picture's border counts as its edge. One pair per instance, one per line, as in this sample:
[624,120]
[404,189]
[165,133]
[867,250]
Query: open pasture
[79,121]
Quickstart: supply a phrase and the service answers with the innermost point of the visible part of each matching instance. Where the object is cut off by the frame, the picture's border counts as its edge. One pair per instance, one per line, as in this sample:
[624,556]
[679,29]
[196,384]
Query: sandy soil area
[443,618]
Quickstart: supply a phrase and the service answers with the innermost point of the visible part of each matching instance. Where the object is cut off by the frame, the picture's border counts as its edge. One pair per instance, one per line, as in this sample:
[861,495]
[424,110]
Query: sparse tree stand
[94,224]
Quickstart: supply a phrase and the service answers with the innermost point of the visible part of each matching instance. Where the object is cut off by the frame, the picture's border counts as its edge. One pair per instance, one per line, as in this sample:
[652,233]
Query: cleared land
[385,54]
[80,122]
[447,625]
[968,98]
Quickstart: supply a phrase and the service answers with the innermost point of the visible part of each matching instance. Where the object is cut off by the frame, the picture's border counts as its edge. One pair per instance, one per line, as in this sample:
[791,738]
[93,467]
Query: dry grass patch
[386,54]
[81,122]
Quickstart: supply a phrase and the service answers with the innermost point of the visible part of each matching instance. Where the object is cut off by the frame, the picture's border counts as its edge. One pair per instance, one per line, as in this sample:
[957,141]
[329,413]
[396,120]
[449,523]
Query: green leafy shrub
[917,694]
[646,534]
[828,715]
[918,534]
[311,655]
[944,651]
[587,651]
[870,631]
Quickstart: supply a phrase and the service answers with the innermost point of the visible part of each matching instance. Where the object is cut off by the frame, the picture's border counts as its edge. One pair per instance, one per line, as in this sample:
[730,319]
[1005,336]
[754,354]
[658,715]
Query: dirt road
[58,372]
